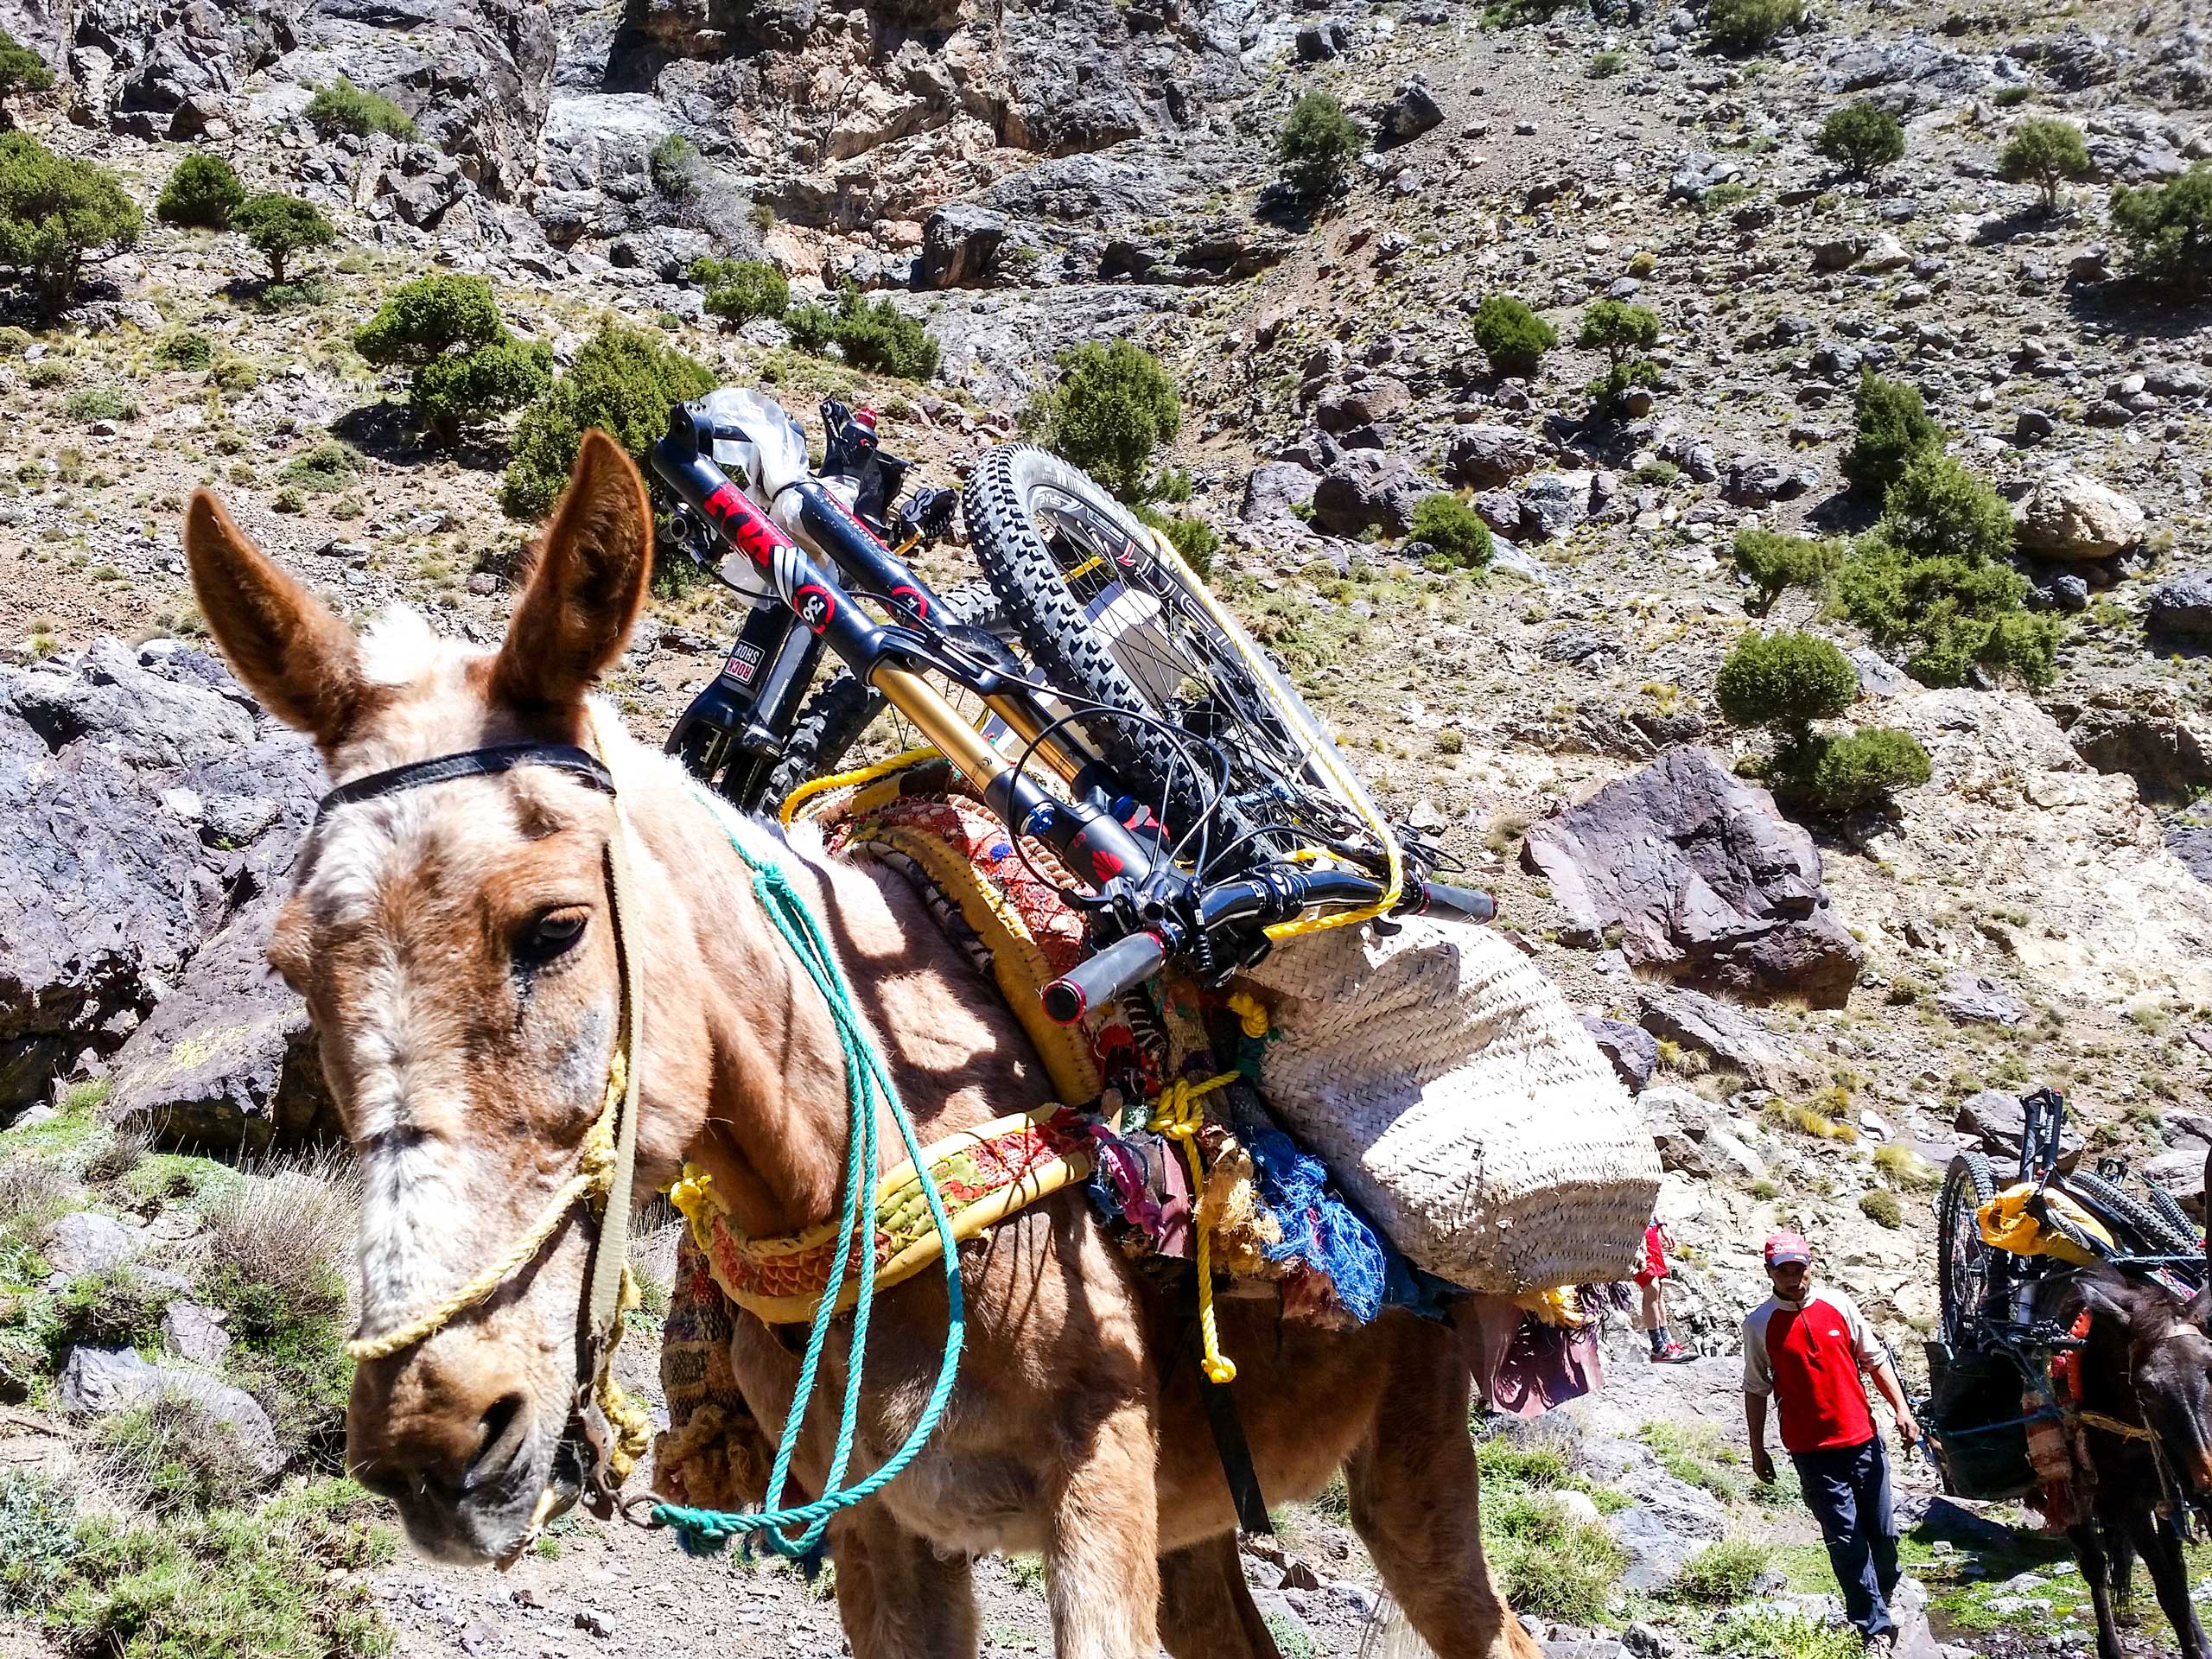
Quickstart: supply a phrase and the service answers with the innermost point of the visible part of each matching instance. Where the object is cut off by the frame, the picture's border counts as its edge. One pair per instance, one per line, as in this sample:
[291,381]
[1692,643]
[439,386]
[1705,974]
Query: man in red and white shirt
[1804,1349]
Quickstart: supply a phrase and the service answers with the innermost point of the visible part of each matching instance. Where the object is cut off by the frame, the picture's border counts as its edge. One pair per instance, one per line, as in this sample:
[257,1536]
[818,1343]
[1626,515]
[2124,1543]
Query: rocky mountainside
[1816,1011]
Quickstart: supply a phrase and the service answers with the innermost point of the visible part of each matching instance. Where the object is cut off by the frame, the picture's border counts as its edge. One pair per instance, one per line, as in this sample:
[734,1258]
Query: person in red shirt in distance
[1804,1348]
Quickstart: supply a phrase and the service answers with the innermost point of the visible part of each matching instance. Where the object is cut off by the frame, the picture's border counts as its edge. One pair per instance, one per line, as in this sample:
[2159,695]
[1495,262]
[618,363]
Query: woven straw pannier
[1458,1101]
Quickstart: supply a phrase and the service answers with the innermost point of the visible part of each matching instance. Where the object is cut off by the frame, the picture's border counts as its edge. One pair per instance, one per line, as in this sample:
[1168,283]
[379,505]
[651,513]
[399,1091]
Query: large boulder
[228,1061]
[959,241]
[1701,879]
[1733,1037]
[2068,517]
[2154,743]
[101,1381]
[1369,489]
[2182,608]
[1411,112]
[141,802]
[1275,492]
[1482,457]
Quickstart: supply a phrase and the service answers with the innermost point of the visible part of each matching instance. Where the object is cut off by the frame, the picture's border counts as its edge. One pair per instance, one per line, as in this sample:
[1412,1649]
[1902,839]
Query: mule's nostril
[498,1438]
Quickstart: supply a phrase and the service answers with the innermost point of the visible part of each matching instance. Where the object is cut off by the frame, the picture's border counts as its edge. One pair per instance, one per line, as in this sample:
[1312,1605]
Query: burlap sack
[1458,1100]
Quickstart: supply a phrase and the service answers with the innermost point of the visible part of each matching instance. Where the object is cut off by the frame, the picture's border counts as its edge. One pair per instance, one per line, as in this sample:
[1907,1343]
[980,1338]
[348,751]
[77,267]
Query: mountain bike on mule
[1148,847]
[2074,1365]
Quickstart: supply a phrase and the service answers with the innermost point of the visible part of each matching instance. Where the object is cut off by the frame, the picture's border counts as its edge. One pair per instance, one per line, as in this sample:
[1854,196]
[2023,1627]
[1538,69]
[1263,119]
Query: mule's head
[454,945]
[2168,1342]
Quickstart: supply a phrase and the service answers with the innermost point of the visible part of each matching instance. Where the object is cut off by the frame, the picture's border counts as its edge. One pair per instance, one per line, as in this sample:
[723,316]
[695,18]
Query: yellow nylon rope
[1178,1115]
[595,1171]
[813,787]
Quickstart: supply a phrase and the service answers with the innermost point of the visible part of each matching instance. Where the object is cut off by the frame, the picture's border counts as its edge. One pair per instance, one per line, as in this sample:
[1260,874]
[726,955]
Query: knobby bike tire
[1968,1185]
[838,715]
[2168,1206]
[2152,1229]
[1012,550]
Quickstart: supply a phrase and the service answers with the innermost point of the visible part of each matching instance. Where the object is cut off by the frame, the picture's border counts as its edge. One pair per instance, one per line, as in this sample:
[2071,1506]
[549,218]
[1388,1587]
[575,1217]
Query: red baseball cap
[1783,1248]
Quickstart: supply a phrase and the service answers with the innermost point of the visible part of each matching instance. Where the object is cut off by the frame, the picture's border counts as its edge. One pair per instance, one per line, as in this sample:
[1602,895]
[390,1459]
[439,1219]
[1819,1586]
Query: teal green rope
[868,1085]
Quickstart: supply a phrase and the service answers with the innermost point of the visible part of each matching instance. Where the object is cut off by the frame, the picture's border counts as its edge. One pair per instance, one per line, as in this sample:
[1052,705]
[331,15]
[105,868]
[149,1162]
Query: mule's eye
[552,934]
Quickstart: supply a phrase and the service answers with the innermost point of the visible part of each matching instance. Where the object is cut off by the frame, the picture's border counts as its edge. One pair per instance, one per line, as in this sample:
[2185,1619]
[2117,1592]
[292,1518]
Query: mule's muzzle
[478,1500]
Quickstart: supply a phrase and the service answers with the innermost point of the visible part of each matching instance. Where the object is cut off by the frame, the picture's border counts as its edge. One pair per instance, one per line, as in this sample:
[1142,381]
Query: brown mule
[454,945]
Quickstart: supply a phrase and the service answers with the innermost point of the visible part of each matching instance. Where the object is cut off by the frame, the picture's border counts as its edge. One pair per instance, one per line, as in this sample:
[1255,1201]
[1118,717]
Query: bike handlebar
[1272,895]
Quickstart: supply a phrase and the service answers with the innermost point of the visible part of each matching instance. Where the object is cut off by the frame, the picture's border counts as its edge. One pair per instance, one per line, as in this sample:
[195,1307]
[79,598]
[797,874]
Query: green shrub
[877,336]
[2044,153]
[1750,25]
[1841,773]
[2006,98]
[235,374]
[109,1307]
[1879,1205]
[204,190]
[1764,1632]
[466,365]
[1196,540]
[1316,147]
[22,70]
[1722,1574]
[2168,230]
[810,326]
[1862,138]
[623,380]
[1114,407]
[1785,680]
[54,213]
[280,226]
[675,164]
[1937,508]
[1893,428]
[1453,528]
[343,107]
[323,470]
[1931,576]
[1624,333]
[288,1350]
[1603,65]
[184,349]
[739,291]
[100,403]
[1513,337]
[274,1583]
[1775,562]
[1549,1563]
[172,1454]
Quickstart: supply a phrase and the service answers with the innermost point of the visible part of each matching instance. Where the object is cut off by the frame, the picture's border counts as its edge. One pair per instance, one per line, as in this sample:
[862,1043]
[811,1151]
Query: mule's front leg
[2096,1571]
[1101,1565]
[1205,1607]
[896,1597]
[2162,1552]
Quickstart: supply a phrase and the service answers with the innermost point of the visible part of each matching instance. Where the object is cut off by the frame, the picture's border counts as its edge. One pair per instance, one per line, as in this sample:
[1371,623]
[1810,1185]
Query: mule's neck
[744,1075]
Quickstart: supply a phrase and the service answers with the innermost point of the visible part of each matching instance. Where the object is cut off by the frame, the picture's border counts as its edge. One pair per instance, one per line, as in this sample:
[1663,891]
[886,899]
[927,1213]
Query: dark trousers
[1847,1489]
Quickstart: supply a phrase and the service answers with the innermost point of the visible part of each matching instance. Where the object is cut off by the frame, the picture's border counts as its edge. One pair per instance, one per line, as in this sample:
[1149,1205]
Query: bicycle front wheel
[1113,620]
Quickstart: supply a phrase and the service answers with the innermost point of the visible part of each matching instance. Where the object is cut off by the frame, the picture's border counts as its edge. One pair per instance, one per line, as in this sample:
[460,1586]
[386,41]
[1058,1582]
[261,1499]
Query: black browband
[476,763]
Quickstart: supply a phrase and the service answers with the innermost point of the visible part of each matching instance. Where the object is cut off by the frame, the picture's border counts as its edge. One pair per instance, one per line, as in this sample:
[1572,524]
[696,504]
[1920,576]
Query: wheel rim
[1966,1265]
[1185,672]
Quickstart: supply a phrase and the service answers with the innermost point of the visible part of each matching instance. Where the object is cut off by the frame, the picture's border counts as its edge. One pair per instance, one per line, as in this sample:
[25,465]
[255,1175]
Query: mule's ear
[284,646]
[586,588]
[2106,1295]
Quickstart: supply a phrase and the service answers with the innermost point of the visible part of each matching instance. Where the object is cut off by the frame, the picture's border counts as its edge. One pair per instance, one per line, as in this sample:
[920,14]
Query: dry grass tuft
[288,1224]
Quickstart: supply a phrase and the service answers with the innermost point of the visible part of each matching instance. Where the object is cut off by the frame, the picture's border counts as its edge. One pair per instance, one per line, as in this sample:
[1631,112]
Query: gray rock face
[2182,607]
[228,1061]
[958,244]
[1631,1048]
[1998,1120]
[1554,503]
[87,1242]
[1754,480]
[1274,489]
[1679,1122]
[1974,999]
[1732,1037]
[2162,751]
[1482,457]
[196,1334]
[1368,489]
[1700,171]
[101,1381]
[1705,881]
[138,801]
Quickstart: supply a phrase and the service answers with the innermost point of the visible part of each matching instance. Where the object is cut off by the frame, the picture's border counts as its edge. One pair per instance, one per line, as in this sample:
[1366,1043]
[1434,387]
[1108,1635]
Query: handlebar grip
[1100,978]
[1442,898]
